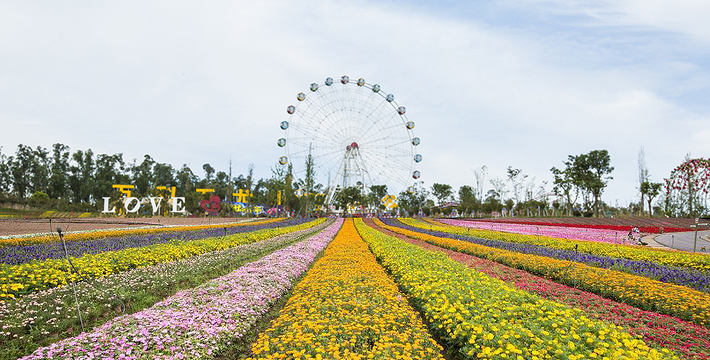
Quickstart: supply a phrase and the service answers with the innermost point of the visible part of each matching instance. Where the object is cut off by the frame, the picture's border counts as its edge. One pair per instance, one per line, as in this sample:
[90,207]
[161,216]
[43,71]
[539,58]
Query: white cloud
[196,84]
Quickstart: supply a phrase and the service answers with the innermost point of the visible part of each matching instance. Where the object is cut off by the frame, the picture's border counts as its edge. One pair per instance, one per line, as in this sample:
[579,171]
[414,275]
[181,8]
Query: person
[631,236]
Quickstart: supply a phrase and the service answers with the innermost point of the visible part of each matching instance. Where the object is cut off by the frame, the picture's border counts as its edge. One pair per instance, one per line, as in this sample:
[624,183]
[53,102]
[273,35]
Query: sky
[497,83]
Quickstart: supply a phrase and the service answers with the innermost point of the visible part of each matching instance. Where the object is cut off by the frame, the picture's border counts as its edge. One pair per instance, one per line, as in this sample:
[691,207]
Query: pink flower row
[198,322]
[600,235]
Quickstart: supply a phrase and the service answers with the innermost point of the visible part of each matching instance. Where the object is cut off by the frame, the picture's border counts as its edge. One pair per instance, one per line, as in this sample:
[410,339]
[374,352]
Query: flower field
[347,308]
[486,318]
[671,258]
[689,340]
[197,323]
[46,316]
[562,232]
[646,225]
[696,279]
[99,234]
[26,252]
[18,280]
[353,289]
[642,292]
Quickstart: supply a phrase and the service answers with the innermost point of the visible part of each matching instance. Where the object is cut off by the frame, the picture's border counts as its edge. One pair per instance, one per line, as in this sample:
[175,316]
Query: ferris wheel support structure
[354,173]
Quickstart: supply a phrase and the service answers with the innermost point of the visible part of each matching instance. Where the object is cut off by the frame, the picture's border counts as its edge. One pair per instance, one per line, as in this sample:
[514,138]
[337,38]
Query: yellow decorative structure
[204,191]
[172,190]
[390,201]
[123,189]
[242,196]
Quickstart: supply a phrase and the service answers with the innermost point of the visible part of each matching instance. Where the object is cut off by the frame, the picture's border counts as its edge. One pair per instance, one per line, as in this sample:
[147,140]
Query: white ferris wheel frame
[352,168]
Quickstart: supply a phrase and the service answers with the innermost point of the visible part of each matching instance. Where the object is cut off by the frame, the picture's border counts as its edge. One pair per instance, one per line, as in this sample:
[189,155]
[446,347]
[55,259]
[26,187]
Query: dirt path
[690,340]
[15,226]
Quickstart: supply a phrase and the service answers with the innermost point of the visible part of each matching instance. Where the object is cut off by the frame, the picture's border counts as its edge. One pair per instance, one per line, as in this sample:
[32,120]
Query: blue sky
[496,83]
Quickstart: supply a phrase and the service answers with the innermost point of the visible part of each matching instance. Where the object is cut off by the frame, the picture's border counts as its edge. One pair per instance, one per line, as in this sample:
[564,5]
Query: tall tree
[499,188]
[250,182]
[480,180]
[594,169]
[467,198]
[164,174]
[348,197]
[442,192]
[58,181]
[109,170]
[566,184]
[377,192]
[516,179]
[209,172]
[143,176]
[5,175]
[21,166]
[414,200]
[39,174]
[651,190]
[81,176]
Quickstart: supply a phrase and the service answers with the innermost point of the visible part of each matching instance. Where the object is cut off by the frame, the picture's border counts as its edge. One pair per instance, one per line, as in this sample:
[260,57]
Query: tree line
[60,179]
[577,190]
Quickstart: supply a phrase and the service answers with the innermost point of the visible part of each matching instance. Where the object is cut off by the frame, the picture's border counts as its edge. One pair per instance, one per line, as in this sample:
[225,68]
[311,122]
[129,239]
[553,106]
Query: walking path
[682,241]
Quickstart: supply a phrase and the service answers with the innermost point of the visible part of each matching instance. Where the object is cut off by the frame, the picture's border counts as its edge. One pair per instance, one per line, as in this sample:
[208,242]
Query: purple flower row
[20,254]
[691,278]
[199,322]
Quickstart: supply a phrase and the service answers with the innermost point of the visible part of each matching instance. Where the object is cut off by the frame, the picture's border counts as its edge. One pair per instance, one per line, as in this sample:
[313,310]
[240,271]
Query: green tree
[39,200]
[58,181]
[414,200]
[650,190]
[21,166]
[566,183]
[377,192]
[350,196]
[442,192]
[5,175]
[143,176]
[467,199]
[164,175]
[593,170]
[39,174]
[209,172]
[81,176]
[109,170]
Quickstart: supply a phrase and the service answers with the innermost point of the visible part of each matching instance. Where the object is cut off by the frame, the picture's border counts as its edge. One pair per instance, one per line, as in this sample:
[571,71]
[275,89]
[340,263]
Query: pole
[73,283]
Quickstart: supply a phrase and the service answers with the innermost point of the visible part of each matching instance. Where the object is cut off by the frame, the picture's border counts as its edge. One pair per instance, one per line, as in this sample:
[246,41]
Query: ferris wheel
[356,134]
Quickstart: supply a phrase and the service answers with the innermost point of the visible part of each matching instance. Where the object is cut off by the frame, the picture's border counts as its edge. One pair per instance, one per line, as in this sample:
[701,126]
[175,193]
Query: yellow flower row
[486,318]
[17,280]
[633,252]
[125,232]
[346,307]
[639,291]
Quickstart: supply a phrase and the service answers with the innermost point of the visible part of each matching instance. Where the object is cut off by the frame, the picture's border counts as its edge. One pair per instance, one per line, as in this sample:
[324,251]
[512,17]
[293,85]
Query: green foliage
[467,199]
[587,173]
[442,192]
[413,201]
[350,196]
[650,190]
[374,198]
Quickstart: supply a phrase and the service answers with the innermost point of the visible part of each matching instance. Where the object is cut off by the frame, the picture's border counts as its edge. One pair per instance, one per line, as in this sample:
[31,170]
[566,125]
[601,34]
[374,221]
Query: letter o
[135,208]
